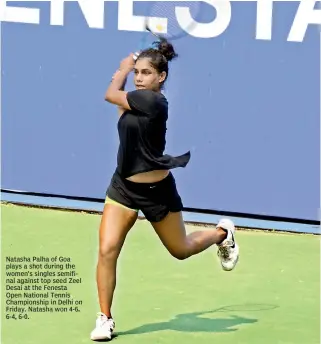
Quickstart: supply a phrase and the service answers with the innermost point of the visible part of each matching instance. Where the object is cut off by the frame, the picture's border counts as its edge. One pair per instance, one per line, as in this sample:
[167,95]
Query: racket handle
[135,56]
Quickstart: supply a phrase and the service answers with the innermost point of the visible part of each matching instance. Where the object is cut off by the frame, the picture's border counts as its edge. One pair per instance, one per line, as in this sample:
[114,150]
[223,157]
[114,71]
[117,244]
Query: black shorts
[155,200]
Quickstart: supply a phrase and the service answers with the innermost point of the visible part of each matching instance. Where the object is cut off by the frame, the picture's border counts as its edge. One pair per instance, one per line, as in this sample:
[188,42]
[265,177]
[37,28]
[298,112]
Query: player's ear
[162,77]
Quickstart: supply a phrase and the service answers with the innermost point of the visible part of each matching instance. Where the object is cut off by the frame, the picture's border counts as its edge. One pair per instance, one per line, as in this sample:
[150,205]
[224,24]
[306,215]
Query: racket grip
[135,56]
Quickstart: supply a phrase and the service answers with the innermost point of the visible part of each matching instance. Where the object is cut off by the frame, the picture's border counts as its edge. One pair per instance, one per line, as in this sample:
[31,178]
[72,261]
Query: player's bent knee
[179,254]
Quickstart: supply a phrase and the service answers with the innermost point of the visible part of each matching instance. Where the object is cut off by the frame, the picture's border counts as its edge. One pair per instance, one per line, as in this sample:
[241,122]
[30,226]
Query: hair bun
[166,49]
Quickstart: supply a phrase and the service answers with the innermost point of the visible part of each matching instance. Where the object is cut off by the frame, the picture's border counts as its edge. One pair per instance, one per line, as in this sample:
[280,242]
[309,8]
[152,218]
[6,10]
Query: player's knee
[109,251]
[180,254]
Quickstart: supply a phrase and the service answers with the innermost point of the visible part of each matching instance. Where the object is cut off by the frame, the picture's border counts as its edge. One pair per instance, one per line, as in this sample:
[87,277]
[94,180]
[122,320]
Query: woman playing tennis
[143,181]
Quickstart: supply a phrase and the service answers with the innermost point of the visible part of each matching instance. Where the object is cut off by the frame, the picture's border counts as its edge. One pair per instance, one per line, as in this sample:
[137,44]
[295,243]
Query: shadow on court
[200,321]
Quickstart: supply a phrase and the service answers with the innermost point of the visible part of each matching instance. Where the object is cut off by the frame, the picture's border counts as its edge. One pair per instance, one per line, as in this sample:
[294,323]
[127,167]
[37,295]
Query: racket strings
[166,9]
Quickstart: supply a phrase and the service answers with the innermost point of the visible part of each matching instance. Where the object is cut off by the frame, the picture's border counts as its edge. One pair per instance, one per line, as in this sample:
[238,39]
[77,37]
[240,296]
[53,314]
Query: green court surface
[272,297]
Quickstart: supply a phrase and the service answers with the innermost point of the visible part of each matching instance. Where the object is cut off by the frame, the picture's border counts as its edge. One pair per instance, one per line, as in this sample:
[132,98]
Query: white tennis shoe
[104,328]
[228,250]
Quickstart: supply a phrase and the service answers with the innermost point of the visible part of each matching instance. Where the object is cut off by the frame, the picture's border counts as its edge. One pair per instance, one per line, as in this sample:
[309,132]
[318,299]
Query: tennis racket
[170,29]
[161,21]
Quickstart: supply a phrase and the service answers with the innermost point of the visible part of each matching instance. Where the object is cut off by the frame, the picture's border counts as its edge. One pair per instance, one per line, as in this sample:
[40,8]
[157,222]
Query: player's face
[146,76]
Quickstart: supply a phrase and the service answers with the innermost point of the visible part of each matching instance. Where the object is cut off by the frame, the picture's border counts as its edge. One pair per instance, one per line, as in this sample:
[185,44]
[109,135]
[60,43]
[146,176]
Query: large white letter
[19,14]
[93,12]
[264,19]
[305,15]
[128,22]
[206,30]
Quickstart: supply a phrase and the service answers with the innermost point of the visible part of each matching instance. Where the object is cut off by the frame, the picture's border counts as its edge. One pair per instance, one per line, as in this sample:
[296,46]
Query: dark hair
[161,53]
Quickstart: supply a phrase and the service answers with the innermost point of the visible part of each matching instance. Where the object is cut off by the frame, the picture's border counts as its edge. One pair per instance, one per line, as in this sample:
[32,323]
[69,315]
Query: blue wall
[248,109]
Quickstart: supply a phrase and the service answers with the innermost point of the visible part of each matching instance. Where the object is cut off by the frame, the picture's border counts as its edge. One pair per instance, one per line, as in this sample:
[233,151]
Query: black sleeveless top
[142,132]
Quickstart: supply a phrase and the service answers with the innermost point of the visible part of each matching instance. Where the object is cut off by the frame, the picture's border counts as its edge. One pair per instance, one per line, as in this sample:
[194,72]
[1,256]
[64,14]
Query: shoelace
[102,319]
[105,320]
[100,314]
[226,249]
[224,252]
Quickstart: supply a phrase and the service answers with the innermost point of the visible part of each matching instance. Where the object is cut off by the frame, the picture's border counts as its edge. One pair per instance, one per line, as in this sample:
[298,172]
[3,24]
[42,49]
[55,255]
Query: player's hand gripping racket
[162,21]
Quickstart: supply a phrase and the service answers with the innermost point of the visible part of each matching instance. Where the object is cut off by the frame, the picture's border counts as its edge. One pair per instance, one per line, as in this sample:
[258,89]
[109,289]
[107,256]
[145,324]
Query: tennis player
[143,181]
